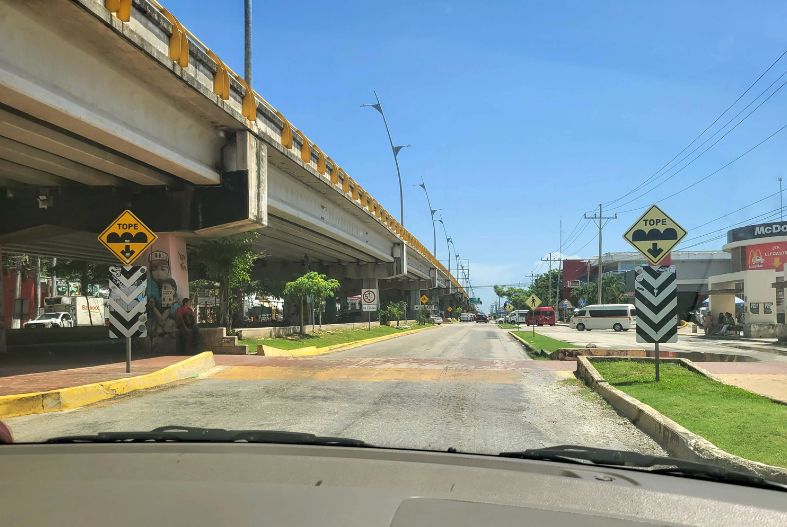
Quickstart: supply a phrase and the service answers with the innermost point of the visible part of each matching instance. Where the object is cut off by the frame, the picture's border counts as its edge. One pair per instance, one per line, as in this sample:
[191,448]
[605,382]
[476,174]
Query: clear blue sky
[522,113]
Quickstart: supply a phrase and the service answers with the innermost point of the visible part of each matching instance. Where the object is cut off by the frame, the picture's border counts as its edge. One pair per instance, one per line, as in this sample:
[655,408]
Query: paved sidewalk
[68,377]
[764,378]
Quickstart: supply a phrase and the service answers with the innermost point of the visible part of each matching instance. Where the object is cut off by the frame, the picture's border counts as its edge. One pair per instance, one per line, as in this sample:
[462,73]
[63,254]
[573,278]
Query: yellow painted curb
[76,396]
[308,351]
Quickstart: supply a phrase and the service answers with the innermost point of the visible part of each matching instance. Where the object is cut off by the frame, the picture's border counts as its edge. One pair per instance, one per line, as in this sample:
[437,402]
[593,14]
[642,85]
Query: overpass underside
[97,117]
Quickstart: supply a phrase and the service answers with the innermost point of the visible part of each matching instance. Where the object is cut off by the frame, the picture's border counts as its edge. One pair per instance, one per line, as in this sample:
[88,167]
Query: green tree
[85,273]
[314,285]
[422,315]
[393,311]
[612,289]
[541,287]
[227,263]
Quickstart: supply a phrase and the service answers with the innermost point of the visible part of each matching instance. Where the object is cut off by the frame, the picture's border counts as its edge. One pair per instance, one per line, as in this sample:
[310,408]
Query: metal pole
[128,354]
[781,201]
[560,270]
[657,362]
[247,41]
[600,220]
[396,161]
[370,319]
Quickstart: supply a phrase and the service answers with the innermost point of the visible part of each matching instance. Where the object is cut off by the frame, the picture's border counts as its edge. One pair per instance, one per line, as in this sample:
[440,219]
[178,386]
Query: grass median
[740,422]
[321,339]
[542,342]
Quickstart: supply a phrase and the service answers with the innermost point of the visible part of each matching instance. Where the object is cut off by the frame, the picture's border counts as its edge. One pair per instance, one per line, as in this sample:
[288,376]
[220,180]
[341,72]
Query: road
[468,386]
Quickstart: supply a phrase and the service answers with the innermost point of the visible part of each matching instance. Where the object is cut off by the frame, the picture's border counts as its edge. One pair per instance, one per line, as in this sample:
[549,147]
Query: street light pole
[395,150]
[247,41]
[431,211]
[448,242]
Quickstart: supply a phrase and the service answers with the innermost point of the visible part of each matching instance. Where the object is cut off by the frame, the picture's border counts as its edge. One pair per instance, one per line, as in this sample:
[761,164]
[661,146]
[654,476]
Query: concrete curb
[76,396]
[309,351]
[672,437]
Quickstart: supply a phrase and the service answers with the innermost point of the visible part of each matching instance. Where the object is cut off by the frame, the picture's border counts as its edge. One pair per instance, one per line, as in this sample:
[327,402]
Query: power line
[718,117]
[701,153]
[734,211]
[726,227]
[684,189]
[724,235]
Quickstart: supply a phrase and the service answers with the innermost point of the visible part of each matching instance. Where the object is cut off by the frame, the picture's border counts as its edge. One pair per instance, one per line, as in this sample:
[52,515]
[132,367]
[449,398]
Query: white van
[619,317]
[519,316]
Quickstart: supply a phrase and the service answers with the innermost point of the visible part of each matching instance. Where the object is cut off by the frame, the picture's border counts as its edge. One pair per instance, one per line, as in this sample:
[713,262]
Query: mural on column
[167,285]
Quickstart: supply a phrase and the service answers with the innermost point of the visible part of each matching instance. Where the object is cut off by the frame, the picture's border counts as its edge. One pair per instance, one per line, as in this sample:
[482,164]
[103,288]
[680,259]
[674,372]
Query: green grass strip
[735,420]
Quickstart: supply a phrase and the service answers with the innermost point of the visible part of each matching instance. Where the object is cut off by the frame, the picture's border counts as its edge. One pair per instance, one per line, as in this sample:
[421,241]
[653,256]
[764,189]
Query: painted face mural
[163,298]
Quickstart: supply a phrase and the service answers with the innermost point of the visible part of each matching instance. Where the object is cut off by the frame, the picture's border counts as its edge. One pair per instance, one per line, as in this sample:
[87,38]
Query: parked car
[480,317]
[58,319]
[500,320]
[619,317]
[434,319]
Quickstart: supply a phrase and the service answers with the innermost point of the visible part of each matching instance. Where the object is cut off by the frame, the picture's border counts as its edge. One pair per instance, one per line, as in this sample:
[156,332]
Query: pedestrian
[707,323]
[187,327]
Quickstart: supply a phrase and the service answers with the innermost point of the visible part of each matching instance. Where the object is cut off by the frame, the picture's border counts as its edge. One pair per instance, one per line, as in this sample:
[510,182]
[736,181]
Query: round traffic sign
[369,297]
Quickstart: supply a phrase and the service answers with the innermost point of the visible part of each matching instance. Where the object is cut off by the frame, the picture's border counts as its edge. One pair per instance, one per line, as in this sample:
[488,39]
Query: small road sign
[509,307]
[424,300]
[127,301]
[656,299]
[127,237]
[655,234]
[369,299]
[533,301]
[449,309]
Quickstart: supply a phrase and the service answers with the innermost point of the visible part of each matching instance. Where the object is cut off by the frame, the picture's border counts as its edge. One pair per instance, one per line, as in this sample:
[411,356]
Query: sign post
[533,301]
[126,238]
[654,235]
[369,299]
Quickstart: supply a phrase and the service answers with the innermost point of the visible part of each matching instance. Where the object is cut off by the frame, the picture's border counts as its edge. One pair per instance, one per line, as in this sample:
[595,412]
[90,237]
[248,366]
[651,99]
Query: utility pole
[600,219]
[781,201]
[550,260]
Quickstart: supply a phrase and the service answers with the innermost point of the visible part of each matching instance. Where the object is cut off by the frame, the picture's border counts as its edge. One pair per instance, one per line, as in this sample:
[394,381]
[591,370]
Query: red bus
[544,316]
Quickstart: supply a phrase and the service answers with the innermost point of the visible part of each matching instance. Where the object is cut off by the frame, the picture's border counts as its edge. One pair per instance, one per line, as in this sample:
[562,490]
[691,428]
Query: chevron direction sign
[656,298]
[127,301]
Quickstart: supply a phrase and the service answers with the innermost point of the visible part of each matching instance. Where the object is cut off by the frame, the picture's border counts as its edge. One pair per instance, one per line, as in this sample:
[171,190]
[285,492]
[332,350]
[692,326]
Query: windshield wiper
[653,464]
[190,434]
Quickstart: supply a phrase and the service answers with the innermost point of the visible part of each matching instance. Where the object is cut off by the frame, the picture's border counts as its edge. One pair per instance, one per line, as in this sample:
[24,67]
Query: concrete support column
[329,317]
[168,284]
[413,301]
[3,345]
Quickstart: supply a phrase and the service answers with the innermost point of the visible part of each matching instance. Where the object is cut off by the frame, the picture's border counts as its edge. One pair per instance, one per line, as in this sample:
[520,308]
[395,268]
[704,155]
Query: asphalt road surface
[468,386]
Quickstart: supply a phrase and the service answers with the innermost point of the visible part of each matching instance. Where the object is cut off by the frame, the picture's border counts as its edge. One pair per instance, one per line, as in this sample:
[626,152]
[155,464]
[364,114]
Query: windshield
[49,316]
[284,224]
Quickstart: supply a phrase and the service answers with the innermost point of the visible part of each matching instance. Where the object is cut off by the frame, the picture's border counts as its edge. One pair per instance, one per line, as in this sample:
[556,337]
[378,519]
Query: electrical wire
[713,123]
[684,189]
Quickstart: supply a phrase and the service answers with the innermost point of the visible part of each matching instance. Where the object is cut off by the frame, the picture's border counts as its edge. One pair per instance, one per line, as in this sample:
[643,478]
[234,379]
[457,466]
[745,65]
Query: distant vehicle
[544,316]
[480,317]
[84,310]
[519,316]
[59,319]
[500,320]
[466,317]
[434,319]
[619,317]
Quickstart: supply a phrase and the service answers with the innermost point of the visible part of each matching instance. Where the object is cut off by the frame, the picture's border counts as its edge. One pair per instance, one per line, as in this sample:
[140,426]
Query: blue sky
[523,113]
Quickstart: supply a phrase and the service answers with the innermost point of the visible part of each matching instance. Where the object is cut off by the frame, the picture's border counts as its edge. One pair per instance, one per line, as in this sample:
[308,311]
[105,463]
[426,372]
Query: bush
[392,311]
[422,316]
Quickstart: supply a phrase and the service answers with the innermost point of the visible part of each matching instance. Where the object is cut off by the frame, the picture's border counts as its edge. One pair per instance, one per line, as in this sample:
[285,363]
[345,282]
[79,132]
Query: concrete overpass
[102,111]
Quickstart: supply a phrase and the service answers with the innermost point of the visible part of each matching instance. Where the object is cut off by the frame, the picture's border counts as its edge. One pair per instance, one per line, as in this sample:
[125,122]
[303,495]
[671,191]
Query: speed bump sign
[655,234]
[127,237]
[424,299]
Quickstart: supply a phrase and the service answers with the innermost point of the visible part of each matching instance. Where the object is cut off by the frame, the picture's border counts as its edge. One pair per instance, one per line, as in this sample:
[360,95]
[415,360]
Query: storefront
[758,254]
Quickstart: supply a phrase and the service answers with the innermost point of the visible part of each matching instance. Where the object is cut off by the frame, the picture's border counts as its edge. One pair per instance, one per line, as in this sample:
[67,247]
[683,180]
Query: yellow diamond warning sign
[127,237]
[424,299]
[655,234]
[533,301]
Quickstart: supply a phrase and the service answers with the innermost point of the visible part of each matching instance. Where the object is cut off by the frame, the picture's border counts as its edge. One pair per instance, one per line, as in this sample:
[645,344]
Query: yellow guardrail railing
[178,52]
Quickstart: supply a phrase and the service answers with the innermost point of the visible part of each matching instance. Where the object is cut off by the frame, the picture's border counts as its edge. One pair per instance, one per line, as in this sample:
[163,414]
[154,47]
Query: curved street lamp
[394,149]
[431,211]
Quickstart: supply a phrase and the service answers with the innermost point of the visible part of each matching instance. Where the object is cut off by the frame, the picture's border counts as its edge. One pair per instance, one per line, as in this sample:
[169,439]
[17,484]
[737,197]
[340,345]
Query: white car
[436,320]
[51,320]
